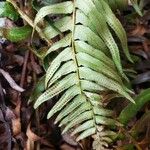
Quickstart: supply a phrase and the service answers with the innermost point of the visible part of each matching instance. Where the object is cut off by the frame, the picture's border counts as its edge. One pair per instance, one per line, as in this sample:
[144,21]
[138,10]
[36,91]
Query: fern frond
[89,63]
[102,139]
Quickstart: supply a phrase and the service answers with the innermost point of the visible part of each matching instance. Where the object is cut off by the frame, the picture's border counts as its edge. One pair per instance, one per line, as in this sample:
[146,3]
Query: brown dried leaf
[32,136]
[10,80]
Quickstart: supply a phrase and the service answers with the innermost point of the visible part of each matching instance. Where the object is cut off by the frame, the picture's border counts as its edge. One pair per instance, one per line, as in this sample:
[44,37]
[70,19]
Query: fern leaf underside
[88,64]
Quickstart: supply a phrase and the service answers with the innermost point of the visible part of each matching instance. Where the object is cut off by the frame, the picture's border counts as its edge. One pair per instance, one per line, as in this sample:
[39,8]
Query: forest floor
[22,127]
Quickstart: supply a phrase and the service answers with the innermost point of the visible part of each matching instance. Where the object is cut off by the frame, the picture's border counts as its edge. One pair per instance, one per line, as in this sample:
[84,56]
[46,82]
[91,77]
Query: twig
[38,126]
[29,21]
[23,74]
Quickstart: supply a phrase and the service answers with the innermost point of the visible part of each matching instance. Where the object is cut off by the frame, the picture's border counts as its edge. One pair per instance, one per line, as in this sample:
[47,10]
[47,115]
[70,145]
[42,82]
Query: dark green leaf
[17,34]
[131,110]
[7,10]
